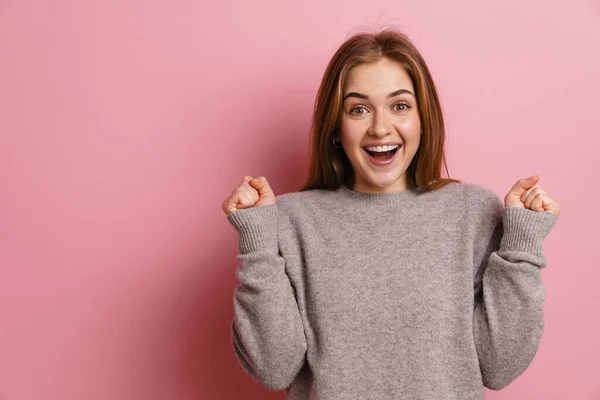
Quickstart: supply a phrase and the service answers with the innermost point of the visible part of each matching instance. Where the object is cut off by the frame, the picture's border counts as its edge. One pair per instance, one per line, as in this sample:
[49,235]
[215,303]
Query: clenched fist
[526,194]
[250,193]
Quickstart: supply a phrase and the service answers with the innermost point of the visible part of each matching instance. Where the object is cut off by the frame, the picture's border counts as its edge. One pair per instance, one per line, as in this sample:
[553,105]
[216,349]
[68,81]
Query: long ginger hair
[329,166]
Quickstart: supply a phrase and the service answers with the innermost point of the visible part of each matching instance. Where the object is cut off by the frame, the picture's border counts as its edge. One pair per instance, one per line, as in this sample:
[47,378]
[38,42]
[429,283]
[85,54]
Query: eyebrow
[365,97]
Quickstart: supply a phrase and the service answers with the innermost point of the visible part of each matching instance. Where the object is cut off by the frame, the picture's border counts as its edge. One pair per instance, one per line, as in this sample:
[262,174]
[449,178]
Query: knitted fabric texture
[406,295]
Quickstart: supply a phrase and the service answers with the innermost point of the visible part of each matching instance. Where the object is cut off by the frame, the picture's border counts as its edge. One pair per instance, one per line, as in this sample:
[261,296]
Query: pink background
[125,124]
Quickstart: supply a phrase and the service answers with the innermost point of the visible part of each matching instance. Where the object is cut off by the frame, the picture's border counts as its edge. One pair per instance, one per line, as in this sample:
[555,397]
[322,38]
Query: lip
[380,162]
[380,144]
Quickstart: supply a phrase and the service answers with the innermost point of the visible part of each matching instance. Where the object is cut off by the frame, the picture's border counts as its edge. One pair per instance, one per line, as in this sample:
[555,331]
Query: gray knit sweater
[407,295]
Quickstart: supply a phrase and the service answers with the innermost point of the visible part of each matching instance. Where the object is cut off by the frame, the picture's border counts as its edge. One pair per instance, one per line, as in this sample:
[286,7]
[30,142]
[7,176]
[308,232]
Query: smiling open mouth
[382,155]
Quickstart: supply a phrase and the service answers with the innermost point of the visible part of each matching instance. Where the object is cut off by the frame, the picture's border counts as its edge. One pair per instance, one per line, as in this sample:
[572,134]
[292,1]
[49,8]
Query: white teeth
[382,148]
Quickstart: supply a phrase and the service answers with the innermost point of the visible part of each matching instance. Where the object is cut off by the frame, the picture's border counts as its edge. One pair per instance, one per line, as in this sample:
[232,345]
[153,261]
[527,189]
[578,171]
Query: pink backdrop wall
[125,124]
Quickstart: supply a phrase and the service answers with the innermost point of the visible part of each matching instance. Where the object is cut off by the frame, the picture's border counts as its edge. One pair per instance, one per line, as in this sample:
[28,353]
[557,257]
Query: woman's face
[380,108]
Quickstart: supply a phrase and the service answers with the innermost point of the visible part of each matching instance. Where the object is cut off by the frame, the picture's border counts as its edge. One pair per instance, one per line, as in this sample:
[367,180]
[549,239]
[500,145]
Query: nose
[380,125]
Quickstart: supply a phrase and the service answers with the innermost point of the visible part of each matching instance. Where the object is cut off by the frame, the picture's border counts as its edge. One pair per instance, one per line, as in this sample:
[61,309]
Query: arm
[508,315]
[267,331]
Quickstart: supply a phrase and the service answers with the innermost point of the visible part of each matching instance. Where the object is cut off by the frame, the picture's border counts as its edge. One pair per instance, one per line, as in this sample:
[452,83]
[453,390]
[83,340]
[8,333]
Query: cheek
[409,125]
[351,131]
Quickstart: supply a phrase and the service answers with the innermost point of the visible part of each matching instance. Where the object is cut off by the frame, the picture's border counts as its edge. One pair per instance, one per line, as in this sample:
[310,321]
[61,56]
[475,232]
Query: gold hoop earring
[337,146]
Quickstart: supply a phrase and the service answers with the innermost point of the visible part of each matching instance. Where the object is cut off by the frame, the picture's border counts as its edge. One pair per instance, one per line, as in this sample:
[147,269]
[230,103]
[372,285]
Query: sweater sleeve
[508,315]
[267,331]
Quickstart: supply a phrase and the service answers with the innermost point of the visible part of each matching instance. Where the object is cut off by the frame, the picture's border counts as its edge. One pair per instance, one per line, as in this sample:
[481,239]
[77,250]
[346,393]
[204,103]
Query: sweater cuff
[256,226]
[525,229]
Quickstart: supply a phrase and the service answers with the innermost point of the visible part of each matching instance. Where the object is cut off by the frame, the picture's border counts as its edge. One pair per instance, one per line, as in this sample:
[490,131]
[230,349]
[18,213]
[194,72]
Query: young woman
[379,279]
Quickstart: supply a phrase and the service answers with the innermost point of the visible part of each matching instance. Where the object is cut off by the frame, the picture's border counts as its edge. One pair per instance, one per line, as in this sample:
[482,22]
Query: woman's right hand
[250,193]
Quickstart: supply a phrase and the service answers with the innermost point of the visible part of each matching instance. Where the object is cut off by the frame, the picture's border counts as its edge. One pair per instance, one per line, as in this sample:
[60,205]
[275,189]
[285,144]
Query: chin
[382,184]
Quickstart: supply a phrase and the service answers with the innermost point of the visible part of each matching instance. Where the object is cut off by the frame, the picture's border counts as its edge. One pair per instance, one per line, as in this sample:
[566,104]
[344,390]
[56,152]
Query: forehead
[382,77]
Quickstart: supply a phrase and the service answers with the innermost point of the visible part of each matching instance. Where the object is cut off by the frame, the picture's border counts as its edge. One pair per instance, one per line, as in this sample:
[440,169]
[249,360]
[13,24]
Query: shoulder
[466,192]
[477,199]
[480,192]
[477,193]
[298,204]
[484,203]
[294,199]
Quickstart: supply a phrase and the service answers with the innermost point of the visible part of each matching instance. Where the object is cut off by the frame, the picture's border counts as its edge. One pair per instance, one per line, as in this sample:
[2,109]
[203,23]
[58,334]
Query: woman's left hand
[526,194]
